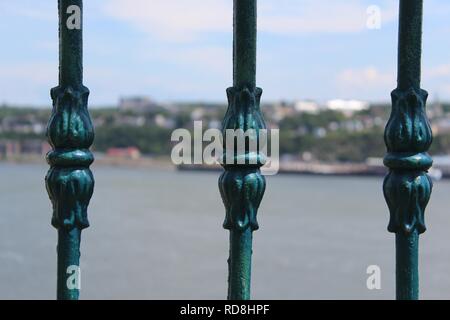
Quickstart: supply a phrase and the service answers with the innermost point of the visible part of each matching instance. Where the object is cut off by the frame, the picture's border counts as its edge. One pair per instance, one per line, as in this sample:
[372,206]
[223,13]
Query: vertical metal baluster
[241,185]
[69,181]
[407,187]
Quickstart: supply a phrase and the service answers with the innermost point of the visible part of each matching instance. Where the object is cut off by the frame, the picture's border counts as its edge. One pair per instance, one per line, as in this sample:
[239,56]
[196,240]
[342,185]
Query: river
[157,234]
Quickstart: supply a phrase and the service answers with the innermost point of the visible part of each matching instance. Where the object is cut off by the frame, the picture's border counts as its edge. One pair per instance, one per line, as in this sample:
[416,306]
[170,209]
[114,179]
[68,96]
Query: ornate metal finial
[407,187]
[69,181]
[408,136]
[242,185]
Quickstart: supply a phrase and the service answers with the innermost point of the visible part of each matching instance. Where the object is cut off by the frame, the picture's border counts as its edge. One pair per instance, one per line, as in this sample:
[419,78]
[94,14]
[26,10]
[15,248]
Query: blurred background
[154,66]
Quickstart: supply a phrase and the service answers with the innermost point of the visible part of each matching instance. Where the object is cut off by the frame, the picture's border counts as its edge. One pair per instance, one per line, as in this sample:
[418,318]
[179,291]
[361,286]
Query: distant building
[12,148]
[441,126]
[215,124]
[135,121]
[163,122]
[137,104]
[197,114]
[9,148]
[282,110]
[307,106]
[347,107]
[32,146]
[124,153]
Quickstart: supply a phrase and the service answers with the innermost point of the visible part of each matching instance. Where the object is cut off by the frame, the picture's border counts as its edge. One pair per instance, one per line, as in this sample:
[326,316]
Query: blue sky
[178,50]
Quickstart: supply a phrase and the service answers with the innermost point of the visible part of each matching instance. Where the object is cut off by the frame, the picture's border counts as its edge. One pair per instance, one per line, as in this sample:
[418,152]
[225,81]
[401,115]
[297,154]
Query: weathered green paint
[240,264]
[69,181]
[407,187]
[242,186]
[244,44]
[407,257]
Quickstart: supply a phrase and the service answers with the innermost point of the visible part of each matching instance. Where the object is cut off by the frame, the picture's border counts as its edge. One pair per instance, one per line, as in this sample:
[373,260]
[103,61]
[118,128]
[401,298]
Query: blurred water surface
[158,235]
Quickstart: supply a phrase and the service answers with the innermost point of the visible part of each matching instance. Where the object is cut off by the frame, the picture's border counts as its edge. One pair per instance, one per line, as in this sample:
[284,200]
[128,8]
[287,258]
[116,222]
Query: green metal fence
[69,181]
[408,136]
[242,186]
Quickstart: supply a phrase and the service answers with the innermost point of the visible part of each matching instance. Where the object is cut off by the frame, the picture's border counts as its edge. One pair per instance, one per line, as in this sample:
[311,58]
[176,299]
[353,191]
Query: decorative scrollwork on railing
[408,129]
[70,124]
[242,192]
[69,181]
[408,136]
[407,187]
[407,195]
[242,186]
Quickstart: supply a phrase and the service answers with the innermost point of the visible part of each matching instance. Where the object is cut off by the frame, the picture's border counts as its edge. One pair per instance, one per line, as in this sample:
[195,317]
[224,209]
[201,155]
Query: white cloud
[177,20]
[368,76]
[372,76]
[213,59]
[34,73]
[371,81]
[29,9]
[438,71]
[436,79]
[181,20]
[27,83]
[366,83]
[443,89]
[312,16]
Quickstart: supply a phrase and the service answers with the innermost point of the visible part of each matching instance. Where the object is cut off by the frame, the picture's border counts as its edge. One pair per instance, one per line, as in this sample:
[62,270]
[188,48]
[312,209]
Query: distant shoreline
[324,169]
[291,167]
[101,160]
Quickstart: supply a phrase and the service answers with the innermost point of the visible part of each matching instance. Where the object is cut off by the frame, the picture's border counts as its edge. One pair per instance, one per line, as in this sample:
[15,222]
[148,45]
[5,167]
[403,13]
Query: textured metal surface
[69,181]
[407,187]
[242,186]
